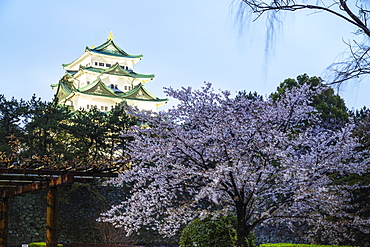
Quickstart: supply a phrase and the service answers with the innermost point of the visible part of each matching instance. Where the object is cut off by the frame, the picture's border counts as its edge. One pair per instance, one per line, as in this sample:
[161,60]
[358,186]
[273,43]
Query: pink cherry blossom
[264,161]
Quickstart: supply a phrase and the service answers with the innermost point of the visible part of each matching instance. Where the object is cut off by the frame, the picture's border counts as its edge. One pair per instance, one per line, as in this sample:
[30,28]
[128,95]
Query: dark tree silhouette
[357,63]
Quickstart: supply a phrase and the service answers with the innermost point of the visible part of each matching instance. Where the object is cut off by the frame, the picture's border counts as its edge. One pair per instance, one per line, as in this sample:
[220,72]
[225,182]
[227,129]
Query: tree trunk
[241,229]
[4,222]
[52,218]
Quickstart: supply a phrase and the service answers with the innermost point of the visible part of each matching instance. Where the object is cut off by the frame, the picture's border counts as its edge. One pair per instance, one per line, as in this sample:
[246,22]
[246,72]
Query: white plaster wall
[107,59]
[143,105]
[80,81]
[91,77]
[120,81]
[81,101]
[83,60]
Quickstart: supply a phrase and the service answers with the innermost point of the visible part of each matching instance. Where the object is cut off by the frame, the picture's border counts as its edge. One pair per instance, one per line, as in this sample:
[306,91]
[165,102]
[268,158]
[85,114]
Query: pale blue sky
[183,42]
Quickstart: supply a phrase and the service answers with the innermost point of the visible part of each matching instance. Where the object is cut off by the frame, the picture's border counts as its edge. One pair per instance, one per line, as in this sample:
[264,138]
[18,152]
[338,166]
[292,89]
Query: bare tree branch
[357,63]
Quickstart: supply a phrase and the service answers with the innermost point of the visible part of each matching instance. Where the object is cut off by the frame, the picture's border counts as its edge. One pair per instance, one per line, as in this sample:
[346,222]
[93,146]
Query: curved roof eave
[134,57]
[64,100]
[69,65]
[118,51]
[95,83]
[147,100]
[101,95]
[116,66]
[141,87]
[119,98]
[123,71]
[137,88]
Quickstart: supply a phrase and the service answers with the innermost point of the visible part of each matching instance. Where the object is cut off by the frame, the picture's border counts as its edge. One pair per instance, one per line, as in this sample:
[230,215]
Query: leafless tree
[357,13]
[113,235]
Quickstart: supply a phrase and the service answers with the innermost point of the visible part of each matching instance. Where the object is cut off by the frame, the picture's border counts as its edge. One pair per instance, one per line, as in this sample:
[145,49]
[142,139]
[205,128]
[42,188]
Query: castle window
[96,63]
[88,107]
[123,67]
[102,108]
[88,82]
[125,87]
[108,64]
[116,86]
[106,108]
[101,64]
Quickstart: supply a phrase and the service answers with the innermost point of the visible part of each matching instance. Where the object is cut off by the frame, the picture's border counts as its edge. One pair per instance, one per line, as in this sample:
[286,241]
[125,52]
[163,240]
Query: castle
[102,77]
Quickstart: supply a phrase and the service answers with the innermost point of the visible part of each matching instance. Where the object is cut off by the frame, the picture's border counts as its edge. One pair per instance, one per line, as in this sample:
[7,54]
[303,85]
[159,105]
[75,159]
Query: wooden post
[4,222]
[52,217]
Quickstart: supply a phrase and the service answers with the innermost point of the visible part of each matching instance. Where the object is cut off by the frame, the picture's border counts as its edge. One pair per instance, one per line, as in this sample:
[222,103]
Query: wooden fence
[85,245]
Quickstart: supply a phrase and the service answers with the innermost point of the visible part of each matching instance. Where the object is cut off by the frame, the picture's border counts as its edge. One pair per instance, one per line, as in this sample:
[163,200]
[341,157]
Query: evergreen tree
[331,106]
[38,134]
[45,133]
[13,114]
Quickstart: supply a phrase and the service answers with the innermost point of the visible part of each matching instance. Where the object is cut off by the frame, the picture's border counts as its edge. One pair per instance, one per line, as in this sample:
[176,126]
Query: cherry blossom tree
[265,161]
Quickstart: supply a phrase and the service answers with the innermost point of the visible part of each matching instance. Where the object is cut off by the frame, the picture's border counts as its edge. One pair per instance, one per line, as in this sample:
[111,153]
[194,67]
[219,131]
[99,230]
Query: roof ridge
[95,83]
[137,88]
[103,49]
[116,66]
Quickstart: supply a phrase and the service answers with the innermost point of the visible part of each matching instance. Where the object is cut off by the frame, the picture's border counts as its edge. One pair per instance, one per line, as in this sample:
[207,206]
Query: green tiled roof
[116,69]
[140,93]
[108,48]
[97,88]
[64,89]
[111,49]
[71,72]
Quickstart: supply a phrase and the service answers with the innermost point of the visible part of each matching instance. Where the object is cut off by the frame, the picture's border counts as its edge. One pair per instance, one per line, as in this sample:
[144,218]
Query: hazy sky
[184,43]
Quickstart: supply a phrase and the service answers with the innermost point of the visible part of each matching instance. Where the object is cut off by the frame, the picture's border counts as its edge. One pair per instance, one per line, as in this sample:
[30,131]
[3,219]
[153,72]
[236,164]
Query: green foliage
[13,113]
[45,134]
[208,232]
[331,106]
[362,121]
[42,134]
[250,95]
[301,245]
[41,244]
[98,133]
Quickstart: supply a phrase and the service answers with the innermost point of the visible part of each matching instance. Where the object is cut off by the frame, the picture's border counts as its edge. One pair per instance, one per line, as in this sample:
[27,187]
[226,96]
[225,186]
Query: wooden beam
[57,172]
[18,177]
[3,222]
[13,184]
[15,177]
[32,171]
[65,179]
[52,211]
